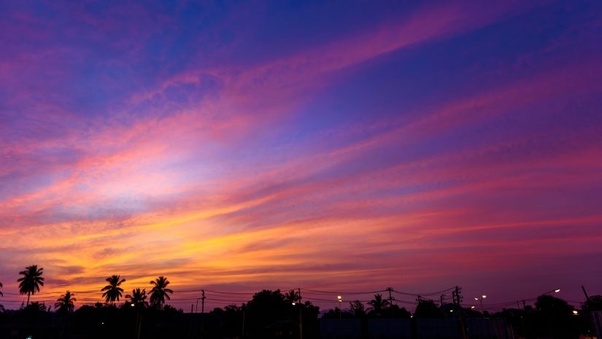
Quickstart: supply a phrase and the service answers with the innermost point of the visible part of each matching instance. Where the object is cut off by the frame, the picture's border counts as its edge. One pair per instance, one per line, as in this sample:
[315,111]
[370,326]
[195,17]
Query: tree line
[32,280]
[269,314]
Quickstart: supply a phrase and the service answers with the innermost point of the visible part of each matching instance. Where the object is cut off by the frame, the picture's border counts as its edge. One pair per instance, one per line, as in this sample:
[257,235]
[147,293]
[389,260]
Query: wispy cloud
[119,163]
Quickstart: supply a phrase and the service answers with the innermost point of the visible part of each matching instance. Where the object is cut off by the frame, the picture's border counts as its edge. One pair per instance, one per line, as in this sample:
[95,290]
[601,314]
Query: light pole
[480,300]
[552,291]
[300,319]
[340,300]
[138,319]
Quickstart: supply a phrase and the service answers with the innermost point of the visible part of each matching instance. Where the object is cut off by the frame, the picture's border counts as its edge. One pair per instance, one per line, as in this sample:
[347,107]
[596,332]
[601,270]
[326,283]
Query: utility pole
[457,295]
[203,301]
[585,293]
[202,312]
[457,300]
[390,290]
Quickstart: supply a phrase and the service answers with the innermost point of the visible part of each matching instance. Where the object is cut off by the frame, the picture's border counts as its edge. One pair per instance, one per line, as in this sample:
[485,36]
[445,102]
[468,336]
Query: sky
[339,147]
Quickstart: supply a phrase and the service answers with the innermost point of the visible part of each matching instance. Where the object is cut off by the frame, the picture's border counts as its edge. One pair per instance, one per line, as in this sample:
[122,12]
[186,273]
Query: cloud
[187,173]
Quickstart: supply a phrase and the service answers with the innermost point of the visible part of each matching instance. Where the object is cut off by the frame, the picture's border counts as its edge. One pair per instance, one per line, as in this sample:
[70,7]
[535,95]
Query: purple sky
[331,146]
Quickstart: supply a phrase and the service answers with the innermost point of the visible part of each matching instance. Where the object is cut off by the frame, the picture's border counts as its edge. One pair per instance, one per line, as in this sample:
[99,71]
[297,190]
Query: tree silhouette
[1,291]
[399,312]
[65,304]
[555,317]
[137,298]
[36,307]
[292,296]
[549,304]
[31,281]
[266,313]
[378,304]
[357,308]
[593,303]
[427,309]
[112,292]
[159,292]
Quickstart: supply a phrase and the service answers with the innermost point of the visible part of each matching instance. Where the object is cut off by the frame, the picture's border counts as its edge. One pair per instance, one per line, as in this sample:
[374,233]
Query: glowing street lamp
[480,300]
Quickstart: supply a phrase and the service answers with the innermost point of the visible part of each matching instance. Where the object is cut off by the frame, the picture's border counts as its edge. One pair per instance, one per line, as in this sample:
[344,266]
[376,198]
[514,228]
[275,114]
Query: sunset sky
[330,146]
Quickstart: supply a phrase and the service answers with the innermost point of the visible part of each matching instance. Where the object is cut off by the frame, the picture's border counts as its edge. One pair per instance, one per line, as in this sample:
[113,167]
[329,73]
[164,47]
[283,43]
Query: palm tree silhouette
[137,298]
[65,303]
[1,291]
[159,292]
[31,281]
[292,296]
[378,304]
[112,292]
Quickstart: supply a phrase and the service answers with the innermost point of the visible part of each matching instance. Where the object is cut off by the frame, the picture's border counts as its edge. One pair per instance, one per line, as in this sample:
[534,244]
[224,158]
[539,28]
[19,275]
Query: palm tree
[159,292]
[292,296]
[1,291]
[378,304]
[112,292]
[137,298]
[65,302]
[31,281]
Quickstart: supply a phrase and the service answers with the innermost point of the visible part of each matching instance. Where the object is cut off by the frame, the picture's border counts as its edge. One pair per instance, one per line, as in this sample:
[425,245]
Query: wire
[425,294]
[341,292]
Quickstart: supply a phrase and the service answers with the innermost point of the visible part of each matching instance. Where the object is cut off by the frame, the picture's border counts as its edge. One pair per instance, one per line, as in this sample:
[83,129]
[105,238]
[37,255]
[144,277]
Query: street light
[138,320]
[480,300]
[300,318]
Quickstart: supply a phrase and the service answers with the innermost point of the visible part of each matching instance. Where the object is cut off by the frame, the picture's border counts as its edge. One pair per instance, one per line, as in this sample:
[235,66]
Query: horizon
[322,299]
[332,147]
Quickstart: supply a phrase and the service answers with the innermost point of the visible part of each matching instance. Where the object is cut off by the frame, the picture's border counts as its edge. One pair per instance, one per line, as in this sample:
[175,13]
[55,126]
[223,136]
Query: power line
[341,292]
[412,294]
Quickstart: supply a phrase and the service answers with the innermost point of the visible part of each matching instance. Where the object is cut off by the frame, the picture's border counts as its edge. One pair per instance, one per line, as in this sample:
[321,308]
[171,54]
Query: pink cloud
[277,86]
[353,193]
